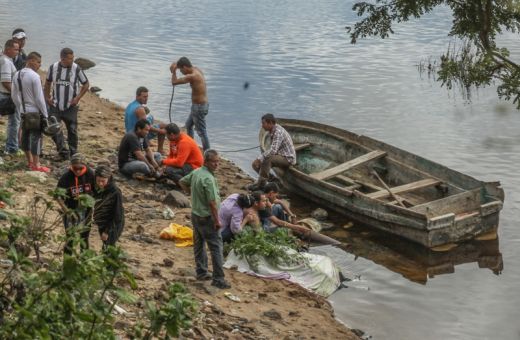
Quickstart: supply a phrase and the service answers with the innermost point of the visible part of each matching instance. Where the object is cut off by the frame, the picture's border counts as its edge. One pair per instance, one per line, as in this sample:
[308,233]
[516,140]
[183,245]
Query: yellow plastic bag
[182,235]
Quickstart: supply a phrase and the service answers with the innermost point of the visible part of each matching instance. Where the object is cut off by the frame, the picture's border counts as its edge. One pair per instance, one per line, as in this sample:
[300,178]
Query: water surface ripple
[298,61]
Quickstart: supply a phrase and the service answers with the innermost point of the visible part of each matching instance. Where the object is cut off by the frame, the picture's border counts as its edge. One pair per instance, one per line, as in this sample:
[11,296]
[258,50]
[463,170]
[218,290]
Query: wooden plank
[424,183]
[464,201]
[326,174]
[349,180]
[298,147]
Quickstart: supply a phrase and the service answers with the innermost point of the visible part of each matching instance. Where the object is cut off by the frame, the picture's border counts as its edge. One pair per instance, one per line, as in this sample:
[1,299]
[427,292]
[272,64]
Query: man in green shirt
[205,201]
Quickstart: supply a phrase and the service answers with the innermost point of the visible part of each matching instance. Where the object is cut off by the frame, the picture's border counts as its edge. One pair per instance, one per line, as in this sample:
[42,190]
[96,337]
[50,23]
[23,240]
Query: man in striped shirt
[65,76]
[280,154]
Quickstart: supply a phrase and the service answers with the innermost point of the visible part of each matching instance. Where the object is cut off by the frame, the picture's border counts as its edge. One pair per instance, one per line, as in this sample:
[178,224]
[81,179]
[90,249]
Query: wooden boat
[386,187]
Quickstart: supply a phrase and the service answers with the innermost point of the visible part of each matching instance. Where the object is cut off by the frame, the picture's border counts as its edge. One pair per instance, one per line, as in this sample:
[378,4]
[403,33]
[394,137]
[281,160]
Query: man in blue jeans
[134,154]
[7,71]
[205,201]
[199,97]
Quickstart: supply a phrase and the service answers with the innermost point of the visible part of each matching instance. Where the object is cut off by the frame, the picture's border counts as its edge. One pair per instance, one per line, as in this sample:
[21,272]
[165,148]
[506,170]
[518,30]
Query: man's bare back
[198,87]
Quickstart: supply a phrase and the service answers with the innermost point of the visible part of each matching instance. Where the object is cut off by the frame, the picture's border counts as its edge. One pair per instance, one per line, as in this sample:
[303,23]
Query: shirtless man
[199,98]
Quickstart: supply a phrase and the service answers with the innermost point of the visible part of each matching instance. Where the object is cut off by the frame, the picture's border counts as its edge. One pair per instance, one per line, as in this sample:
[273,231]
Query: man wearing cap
[28,97]
[7,71]
[65,77]
[78,180]
[21,58]
[109,213]
[137,110]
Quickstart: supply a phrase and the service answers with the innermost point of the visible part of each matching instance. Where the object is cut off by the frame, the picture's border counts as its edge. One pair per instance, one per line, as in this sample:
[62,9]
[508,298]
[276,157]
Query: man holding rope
[199,98]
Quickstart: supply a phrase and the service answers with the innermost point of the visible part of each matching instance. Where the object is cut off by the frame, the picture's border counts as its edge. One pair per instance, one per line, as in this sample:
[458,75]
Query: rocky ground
[267,309]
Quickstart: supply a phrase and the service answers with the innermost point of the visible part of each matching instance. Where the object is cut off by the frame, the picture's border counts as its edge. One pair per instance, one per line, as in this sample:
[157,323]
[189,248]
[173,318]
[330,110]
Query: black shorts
[32,141]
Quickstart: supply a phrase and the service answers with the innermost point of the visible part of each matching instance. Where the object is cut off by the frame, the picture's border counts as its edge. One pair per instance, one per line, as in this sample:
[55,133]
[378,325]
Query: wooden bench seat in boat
[335,171]
[423,183]
[298,147]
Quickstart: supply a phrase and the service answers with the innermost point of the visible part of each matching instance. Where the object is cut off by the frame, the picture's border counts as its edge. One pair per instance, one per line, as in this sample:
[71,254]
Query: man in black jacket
[109,213]
[78,180]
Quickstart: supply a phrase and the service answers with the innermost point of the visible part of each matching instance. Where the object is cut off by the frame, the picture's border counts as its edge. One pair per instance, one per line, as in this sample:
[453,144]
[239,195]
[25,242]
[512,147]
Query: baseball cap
[19,33]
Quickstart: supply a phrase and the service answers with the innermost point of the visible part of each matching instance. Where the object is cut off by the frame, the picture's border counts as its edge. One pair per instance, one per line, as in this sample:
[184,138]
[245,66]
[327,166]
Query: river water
[298,62]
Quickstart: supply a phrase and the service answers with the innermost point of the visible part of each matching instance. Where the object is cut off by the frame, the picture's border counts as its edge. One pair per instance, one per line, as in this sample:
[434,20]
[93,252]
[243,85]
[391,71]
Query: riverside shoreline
[268,309]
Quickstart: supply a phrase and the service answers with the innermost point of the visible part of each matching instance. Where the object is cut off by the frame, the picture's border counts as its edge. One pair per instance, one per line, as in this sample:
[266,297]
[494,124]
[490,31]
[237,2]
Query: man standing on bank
[280,154]
[21,58]
[7,71]
[65,77]
[27,94]
[199,98]
[205,200]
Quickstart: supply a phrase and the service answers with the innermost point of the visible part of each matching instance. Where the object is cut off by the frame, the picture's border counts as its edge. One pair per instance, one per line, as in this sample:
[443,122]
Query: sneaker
[204,277]
[221,284]
[40,168]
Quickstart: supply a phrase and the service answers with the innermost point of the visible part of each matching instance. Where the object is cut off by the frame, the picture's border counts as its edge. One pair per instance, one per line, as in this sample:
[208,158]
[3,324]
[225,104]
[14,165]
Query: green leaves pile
[275,247]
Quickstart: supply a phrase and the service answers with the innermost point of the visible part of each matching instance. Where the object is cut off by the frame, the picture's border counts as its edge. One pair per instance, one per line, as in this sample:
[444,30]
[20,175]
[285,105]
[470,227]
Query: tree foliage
[478,60]
[73,296]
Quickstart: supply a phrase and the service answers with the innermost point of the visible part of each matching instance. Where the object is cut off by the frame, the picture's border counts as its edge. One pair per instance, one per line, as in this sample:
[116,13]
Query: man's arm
[47,92]
[288,225]
[151,158]
[82,91]
[183,152]
[140,113]
[178,81]
[139,155]
[275,145]
[214,214]
[38,96]
[185,183]
[7,85]
[285,207]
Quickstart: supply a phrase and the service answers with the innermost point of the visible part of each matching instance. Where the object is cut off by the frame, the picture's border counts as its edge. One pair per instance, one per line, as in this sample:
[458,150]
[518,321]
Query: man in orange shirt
[185,155]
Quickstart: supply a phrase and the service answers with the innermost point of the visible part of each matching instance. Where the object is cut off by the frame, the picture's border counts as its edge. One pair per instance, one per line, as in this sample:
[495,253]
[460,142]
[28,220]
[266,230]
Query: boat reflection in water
[413,261]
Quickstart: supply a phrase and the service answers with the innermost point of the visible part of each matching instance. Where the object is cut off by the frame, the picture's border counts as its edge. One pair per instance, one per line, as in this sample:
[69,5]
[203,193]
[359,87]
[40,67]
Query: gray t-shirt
[7,70]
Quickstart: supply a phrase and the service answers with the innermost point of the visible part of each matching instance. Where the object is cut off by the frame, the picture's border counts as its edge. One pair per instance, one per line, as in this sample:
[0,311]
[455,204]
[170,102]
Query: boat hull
[472,212]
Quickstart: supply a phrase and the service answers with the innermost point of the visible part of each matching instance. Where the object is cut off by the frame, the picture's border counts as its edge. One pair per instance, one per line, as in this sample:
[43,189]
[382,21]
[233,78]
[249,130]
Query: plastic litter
[232,297]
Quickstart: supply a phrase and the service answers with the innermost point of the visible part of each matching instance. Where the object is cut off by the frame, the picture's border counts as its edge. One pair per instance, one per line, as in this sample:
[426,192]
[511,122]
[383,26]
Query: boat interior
[354,167]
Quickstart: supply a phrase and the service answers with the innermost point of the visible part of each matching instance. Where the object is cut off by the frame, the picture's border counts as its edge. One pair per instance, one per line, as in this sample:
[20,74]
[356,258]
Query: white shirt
[7,70]
[32,92]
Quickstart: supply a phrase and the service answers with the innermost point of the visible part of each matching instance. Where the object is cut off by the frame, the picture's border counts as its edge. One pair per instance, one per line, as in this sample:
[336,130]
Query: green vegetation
[478,60]
[56,296]
[273,247]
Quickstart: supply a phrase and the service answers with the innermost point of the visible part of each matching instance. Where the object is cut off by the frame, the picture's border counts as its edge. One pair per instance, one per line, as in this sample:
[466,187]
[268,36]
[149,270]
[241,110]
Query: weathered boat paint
[457,209]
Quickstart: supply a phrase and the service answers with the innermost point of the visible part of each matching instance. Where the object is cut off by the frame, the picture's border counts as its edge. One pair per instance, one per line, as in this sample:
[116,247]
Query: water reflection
[413,261]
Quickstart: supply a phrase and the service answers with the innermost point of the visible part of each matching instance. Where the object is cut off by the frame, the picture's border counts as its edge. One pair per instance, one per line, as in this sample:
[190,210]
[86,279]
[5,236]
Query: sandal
[40,169]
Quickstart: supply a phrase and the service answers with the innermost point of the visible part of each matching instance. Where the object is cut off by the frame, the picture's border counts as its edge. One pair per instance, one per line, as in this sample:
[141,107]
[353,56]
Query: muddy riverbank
[268,309]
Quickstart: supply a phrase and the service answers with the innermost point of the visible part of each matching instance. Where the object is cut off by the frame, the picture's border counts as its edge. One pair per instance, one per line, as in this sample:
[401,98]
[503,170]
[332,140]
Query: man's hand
[257,163]
[173,67]
[74,101]
[217,225]
[104,236]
